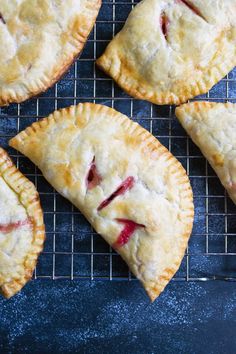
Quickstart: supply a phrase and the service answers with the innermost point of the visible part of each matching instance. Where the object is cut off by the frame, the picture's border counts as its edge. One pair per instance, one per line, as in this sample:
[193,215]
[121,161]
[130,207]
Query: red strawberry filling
[129,228]
[5,228]
[93,178]
[192,7]
[124,187]
[164,23]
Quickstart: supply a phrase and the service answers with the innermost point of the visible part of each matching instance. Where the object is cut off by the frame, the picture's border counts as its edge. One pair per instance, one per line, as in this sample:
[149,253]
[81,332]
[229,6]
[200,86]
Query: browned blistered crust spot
[218,159]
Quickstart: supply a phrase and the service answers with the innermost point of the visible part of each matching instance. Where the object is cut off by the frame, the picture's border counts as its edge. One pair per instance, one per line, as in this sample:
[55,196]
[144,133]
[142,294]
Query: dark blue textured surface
[85,317]
[113,316]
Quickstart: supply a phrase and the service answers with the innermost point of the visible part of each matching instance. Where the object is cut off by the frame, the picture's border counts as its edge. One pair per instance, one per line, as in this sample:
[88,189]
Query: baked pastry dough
[39,40]
[130,187]
[21,228]
[212,126]
[172,50]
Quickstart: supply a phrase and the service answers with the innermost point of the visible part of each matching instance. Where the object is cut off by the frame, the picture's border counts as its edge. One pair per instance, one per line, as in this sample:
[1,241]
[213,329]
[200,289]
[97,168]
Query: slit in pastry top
[14,226]
[172,50]
[2,19]
[121,190]
[142,203]
[21,228]
[129,228]
[93,178]
[192,7]
[39,41]
[164,23]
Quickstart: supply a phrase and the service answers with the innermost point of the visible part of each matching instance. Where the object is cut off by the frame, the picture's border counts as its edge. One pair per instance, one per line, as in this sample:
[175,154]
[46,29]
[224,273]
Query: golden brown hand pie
[130,187]
[39,40]
[172,50]
[21,228]
[212,126]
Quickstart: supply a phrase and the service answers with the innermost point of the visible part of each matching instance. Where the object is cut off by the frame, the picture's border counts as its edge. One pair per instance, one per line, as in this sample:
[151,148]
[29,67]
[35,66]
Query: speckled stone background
[83,298]
[98,317]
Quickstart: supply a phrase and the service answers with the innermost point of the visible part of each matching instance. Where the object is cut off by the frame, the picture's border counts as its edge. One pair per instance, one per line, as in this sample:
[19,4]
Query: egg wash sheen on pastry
[21,227]
[212,126]
[39,40]
[130,187]
[172,50]
[16,232]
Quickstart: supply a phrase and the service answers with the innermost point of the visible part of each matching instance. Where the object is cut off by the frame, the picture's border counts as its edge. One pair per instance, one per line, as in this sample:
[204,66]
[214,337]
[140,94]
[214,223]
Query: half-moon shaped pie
[130,187]
[39,40]
[21,227]
[172,50]
[212,127]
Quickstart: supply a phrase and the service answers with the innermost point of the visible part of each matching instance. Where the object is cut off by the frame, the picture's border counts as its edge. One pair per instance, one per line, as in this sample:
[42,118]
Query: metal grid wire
[73,250]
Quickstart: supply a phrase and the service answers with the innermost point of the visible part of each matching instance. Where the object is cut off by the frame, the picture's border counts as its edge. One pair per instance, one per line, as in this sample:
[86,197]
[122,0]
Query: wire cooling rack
[73,250]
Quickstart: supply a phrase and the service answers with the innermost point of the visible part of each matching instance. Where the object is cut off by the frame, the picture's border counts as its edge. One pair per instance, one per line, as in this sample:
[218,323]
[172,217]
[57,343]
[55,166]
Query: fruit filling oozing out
[191,7]
[122,189]
[7,228]
[164,20]
[129,228]
[93,177]
[164,23]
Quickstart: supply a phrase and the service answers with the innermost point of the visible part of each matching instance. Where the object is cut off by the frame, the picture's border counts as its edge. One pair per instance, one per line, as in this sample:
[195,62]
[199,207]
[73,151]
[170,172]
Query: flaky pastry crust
[129,186]
[212,127]
[39,40]
[20,242]
[172,50]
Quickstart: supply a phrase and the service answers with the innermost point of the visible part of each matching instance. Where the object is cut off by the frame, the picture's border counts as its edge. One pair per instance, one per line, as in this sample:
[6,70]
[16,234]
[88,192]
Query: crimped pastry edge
[201,107]
[135,89]
[113,66]
[152,144]
[23,187]
[39,86]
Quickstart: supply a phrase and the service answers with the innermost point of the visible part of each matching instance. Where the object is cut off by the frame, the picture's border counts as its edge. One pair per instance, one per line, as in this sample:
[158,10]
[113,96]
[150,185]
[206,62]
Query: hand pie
[212,127]
[39,40]
[172,50]
[130,187]
[21,228]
